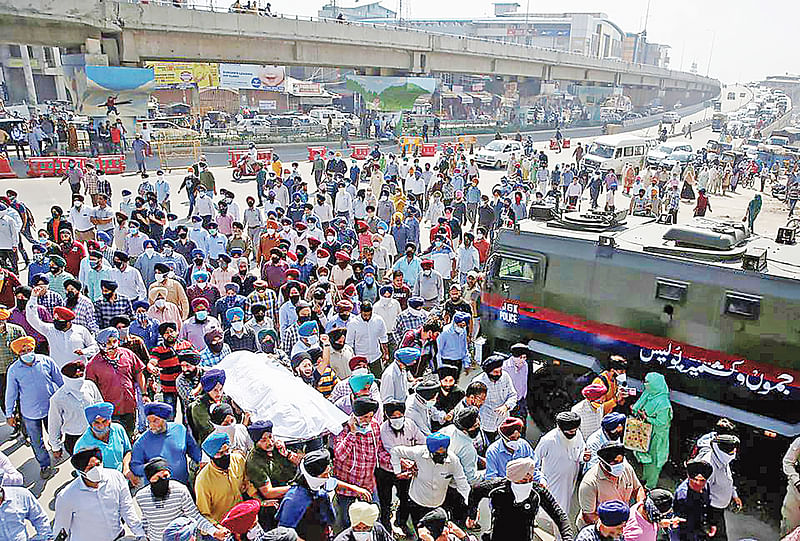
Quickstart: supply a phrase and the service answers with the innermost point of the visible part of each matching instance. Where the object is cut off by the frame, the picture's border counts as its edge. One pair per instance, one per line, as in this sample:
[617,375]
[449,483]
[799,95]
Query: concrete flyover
[132,32]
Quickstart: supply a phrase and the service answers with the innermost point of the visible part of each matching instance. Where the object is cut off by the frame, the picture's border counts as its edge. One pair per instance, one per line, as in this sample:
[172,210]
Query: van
[322,115]
[614,151]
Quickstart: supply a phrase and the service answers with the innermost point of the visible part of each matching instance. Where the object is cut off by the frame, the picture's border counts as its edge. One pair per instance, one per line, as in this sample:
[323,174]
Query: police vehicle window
[518,269]
[618,153]
[628,151]
[668,290]
[639,150]
[742,305]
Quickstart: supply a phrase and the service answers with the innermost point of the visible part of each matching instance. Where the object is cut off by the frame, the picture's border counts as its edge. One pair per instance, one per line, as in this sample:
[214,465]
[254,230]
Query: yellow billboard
[185,74]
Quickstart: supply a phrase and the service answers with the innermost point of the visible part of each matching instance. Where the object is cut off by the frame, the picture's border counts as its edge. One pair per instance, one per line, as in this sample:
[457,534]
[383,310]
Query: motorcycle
[246,168]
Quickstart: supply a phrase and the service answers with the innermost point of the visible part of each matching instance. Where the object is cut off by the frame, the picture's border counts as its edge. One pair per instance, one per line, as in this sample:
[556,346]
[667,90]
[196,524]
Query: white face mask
[330,238]
[362,536]
[202,285]
[521,491]
[73,384]
[270,232]
[513,445]
[93,475]
[161,303]
[149,251]
[229,429]
[237,326]
[317,483]
[397,422]
[158,276]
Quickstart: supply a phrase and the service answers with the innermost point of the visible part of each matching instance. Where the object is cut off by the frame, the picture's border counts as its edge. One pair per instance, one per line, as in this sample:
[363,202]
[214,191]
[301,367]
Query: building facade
[31,74]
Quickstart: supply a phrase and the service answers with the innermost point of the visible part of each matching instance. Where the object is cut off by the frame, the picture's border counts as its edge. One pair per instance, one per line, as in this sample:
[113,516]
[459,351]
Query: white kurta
[561,459]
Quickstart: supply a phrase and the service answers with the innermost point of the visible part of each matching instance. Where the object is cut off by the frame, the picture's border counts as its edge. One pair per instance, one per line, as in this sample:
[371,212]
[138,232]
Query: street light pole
[711,52]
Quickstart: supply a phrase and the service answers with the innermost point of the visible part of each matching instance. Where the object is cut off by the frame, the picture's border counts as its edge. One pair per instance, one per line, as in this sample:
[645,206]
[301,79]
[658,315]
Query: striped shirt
[158,513]
[166,358]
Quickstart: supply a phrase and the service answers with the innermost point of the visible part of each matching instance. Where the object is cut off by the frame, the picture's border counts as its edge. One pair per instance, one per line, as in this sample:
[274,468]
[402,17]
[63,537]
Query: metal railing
[210,7]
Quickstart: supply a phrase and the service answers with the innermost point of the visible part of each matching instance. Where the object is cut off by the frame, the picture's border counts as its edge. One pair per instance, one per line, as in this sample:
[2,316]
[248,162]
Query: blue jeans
[34,428]
[172,400]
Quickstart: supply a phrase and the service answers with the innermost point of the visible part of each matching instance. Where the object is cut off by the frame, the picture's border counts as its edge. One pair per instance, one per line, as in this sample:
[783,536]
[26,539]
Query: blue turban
[232,286]
[200,275]
[233,312]
[198,253]
[407,356]
[385,289]
[613,513]
[39,278]
[416,302]
[101,409]
[180,529]
[257,429]
[437,441]
[159,409]
[612,420]
[360,382]
[307,329]
[461,317]
[102,236]
[149,242]
[213,443]
[369,269]
[106,334]
[141,304]
[210,379]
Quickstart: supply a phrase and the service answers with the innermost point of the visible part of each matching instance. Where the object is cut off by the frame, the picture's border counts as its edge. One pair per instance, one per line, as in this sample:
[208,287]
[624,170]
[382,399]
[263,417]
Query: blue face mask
[201,315]
[28,358]
[369,280]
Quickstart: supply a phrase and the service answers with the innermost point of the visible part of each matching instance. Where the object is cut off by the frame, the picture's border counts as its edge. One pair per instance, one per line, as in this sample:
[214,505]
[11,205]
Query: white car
[498,152]
[660,153]
[254,126]
[671,117]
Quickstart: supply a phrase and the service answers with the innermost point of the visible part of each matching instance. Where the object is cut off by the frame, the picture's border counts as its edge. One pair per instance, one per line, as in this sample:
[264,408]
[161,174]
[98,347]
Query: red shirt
[117,385]
[116,135]
[355,457]
[73,255]
[10,283]
[169,367]
[483,248]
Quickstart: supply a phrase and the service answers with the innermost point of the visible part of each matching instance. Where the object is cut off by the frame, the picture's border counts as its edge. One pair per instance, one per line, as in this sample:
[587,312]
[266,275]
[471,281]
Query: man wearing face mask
[516,498]
[199,264]
[215,348]
[615,381]
[174,260]
[395,379]
[561,452]
[448,397]
[263,295]
[510,446]
[32,379]
[650,515]
[167,440]
[720,454]
[436,470]
[452,347]
[501,396]
[197,326]
[109,437]
[612,478]
[129,279]
[462,433]
[367,336]
[365,526]
[166,500]
[66,421]
[202,289]
[111,305]
[223,422]
[68,342]
[612,428]
[612,517]
[419,405]
[219,485]
[93,272]
[239,337]
[692,501]
[396,430]
[355,455]
[57,274]
[590,409]
[95,504]
[429,285]
[71,250]
[147,261]
[164,277]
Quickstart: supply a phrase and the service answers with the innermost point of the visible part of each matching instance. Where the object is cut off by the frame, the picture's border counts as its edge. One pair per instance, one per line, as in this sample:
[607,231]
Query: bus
[718,121]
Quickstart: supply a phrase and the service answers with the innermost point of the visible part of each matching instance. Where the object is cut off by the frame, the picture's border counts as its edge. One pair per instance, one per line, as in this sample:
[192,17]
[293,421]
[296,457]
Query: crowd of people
[113,342]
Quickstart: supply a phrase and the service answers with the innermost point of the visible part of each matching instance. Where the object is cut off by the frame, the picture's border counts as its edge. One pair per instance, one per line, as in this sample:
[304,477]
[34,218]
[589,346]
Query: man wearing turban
[590,409]
[65,417]
[219,486]
[612,428]
[561,452]
[170,440]
[211,382]
[364,524]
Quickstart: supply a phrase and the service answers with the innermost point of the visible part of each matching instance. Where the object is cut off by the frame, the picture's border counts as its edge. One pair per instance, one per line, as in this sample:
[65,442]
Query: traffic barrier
[409,144]
[470,141]
[264,155]
[553,144]
[359,152]
[41,167]
[111,164]
[565,143]
[428,150]
[313,152]
[5,168]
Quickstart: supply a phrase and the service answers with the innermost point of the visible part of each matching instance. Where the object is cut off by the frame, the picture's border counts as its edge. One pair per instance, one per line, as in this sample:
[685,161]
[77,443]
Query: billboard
[391,93]
[101,90]
[185,74]
[252,76]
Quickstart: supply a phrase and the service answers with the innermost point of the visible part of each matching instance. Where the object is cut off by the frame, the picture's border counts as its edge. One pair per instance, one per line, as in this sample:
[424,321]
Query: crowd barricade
[111,164]
[5,168]
[428,150]
[468,142]
[315,151]
[565,143]
[554,144]
[359,152]
[234,155]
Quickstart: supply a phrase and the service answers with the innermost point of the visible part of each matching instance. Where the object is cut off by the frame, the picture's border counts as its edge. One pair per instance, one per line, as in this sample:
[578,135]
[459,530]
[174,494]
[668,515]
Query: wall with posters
[391,93]
[100,90]
[241,76]
[184,74]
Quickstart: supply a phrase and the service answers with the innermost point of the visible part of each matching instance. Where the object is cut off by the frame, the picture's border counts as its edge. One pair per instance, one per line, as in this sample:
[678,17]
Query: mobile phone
[62,535]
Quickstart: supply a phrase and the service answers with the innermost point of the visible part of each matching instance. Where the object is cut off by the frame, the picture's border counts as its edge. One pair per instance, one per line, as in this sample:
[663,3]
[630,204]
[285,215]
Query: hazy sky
[751,39]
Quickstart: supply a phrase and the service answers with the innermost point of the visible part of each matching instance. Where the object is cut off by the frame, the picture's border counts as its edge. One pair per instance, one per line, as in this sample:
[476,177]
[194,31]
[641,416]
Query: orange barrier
[553,144]
[264,155]
[111,164]
[313,152]
[428,150]
[565,143]
[5,168]
[359,152]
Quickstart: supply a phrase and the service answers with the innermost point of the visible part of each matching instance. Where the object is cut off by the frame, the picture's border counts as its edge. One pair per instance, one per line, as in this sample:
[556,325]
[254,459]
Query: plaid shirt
[105,310]
[208,358]
[50,300]
[355,457]
[6,355]
[185,385]
[90,181]
[271,302]
[85,314]
[290,338]
[247,341]
[406,321]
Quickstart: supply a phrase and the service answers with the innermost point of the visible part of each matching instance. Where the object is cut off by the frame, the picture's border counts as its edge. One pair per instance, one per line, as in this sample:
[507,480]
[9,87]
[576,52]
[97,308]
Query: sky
[751,39]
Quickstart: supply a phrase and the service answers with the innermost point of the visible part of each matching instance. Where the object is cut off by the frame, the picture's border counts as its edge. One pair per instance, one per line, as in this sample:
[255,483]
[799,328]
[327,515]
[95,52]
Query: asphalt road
[41,193]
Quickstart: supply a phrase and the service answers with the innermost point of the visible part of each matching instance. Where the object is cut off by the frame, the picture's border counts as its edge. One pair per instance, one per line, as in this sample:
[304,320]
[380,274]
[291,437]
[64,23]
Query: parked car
[660,153]
[671,117]
[498,152]
[254,126]
[682,157]
[165,129]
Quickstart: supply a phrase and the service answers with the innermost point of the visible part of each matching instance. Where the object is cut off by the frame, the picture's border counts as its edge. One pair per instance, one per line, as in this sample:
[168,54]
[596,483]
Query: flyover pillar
[27,72]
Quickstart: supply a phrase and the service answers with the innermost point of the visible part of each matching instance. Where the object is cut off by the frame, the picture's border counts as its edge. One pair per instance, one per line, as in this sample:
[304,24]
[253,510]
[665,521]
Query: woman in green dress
[654,407]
